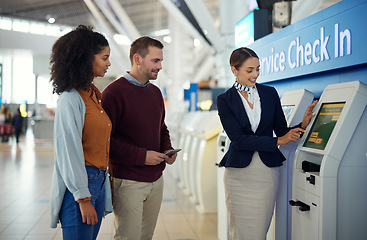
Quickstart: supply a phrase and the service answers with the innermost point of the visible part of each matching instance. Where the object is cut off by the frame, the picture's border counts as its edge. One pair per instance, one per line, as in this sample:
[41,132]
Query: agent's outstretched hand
[308,115]
[292,136]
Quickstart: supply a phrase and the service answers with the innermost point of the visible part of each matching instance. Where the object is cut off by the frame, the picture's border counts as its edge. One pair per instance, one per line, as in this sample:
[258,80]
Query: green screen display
[324,125]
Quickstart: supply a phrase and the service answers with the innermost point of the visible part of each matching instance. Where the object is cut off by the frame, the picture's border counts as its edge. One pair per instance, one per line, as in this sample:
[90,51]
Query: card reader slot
[303,207]
[310,167]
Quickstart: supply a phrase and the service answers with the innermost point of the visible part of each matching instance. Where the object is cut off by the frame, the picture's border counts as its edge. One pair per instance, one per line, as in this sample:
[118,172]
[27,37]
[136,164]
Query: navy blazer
[244,142]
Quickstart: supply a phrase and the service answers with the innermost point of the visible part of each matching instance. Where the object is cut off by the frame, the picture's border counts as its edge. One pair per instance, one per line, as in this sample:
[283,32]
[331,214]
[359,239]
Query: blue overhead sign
[331,39]
[244,32]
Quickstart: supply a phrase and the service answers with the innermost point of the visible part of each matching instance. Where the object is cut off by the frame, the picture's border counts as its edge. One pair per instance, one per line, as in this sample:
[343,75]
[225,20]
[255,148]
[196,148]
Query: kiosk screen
[287,109]
[324,125]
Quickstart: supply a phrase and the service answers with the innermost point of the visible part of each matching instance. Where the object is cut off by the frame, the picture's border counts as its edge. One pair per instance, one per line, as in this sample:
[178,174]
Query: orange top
[96,130]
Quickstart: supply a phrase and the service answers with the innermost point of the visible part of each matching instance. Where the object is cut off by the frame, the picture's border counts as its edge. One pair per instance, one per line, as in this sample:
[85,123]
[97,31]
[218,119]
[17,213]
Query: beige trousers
[136,207]
[250,197]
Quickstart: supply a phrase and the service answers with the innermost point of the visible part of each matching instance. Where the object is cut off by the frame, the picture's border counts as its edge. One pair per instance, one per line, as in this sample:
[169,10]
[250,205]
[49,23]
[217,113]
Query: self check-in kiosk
[192,150]
[294,104]
[204,175]
[192,155]
[184,136]
[330,168]
[173,121]
[198,134]
[222,147]
[190,120]
[203,138]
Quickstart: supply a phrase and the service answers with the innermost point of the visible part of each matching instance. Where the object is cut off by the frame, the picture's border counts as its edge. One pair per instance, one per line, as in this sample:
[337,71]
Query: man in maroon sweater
[139,140]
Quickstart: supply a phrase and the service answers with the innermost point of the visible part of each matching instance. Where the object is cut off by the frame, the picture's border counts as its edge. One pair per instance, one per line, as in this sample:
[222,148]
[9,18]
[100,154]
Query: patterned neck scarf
[250,91]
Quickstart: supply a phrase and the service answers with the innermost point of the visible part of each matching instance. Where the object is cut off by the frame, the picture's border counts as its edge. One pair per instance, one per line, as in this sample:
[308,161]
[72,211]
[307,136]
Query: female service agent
[80,187]
[249,113]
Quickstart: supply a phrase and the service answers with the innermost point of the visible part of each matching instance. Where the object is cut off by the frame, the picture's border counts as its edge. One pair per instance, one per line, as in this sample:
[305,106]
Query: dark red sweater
[137,116]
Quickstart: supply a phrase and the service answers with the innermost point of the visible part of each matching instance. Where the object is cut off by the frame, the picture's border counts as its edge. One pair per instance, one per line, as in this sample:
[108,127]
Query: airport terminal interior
[308,50]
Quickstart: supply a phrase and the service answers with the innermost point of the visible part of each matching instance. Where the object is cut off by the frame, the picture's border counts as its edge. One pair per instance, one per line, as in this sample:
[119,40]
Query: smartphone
[173,151]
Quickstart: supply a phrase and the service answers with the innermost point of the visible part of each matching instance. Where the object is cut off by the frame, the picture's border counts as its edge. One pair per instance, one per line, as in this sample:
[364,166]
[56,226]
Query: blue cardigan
[244,142]
[69,169]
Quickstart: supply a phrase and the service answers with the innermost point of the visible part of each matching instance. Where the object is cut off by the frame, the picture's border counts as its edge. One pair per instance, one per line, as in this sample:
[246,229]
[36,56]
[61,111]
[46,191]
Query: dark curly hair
[72,59]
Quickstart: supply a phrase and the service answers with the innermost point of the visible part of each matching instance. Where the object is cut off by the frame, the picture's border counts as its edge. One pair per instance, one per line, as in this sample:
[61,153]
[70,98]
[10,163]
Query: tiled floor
[25,180]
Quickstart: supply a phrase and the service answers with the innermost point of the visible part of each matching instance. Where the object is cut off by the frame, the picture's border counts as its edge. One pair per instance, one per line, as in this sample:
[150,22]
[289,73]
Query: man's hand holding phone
[172,154]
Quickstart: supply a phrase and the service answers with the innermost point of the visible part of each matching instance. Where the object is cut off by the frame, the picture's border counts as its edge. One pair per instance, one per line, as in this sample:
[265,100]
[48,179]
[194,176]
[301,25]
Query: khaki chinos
[136,208]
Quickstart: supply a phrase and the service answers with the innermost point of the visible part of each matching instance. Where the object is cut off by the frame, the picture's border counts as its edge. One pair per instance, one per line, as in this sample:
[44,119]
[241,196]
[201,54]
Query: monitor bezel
[314,122]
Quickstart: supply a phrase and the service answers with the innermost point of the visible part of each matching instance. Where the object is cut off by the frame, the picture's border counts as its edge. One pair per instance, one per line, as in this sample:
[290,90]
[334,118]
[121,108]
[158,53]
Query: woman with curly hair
[80,194]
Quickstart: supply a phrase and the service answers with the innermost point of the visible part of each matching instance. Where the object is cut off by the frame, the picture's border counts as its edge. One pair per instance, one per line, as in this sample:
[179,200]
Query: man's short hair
[141,45]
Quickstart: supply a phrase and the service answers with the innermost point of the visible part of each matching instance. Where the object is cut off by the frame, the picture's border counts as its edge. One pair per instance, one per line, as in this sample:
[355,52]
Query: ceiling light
[121,39]
[167,39]
[161,32]
[196,42]
[50,19]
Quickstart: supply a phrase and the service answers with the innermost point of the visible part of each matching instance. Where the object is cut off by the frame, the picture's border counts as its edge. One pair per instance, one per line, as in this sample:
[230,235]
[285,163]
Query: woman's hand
[89,214]
[293,135]
[308,115]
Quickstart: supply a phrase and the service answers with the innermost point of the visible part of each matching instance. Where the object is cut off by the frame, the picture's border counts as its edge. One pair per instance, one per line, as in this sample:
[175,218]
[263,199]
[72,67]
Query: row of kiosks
[294,104]
[203,183]
[173,121]
[330,168]
[197,161]
[186,129]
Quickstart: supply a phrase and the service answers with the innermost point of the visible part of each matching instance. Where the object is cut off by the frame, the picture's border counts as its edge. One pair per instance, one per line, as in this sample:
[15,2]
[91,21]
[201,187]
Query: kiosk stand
[330,168]
[187,126]
[294,104]
[204,175]
[193,153]
[222,147]
[198,134]
[173,121]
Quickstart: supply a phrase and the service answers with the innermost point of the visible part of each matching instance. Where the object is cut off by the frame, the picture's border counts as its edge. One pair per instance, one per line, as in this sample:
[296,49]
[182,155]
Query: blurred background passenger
[6,128]
[17,124]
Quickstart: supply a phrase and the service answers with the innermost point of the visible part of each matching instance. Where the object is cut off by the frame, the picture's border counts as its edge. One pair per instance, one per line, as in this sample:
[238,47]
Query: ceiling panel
[66,12]
[147,15]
